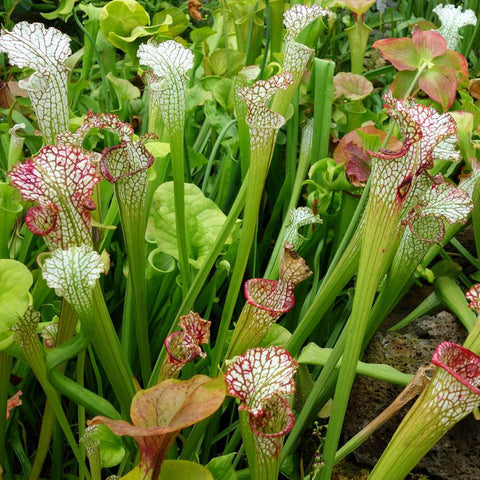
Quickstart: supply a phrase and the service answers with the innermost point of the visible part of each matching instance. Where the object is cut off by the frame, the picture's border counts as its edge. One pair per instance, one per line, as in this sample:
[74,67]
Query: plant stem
[376,253]
[6,361]
[66,329]
[261,465]
[202,274]
[108,349]
[260,160]
[328,291]
[133,225]
[178,161]
[31,348]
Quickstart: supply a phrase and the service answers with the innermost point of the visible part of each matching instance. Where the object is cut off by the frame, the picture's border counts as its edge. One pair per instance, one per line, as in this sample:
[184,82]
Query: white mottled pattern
[299,217]
[260,373]
[61,179]
[275,421]
[73,273]
[473,296]
[423,129]
[260,118]
[44,50]
[452,20]
[126,166]
[299,16]
[170,61]
[468,181]
[453,391]
[295,20]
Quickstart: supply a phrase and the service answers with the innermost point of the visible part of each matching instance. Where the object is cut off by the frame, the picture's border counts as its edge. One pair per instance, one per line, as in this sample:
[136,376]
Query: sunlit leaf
[159,413]
[15,282]
[203,222]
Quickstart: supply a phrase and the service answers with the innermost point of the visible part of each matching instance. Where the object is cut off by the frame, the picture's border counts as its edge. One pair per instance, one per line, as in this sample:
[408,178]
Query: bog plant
[153,161]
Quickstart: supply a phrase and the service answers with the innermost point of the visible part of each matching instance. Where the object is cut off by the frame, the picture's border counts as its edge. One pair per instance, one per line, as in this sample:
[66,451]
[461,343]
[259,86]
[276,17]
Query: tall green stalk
[170,62]
[6,361]
[391,185]
[264,125]
[109,351]
[66,329]
[27,339]
[374,260]
[126,167]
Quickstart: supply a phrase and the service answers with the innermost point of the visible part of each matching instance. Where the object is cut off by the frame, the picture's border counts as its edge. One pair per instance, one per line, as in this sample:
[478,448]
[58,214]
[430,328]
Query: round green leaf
[184,470]
[112,451]
[15,281]
[204,221]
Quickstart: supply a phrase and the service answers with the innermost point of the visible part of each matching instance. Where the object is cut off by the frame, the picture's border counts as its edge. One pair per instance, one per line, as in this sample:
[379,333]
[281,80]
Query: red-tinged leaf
[61,179]
[184,346]
[401,82]
[159,413]
[13,402]
[429,44]
[464,366]
[474,88]
[440,84]
[400,52]
[353,137]
[456,62]
[357,166]
[271,424]
[358,6]
[352,86]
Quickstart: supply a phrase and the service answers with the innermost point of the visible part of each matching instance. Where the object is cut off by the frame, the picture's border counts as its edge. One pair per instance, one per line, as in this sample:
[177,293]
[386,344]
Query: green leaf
[63,11]
[173,469]
[196,159]
[197,96]
[224,92]
[312,354]
[15,282]
[222,468]
[217,61]
[158,149]
[402,82]
[125,91]
[203,223]
[276,335]
[440,84]
[124,22]
[198,35]
[112,451]
[9,209]
[175,18]
[121,17]
[185,470]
